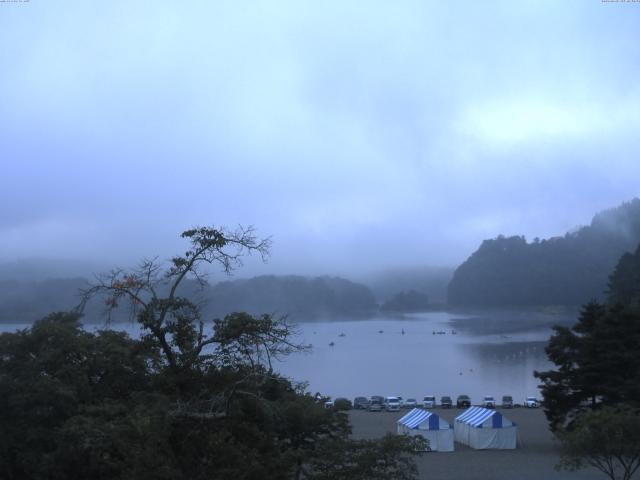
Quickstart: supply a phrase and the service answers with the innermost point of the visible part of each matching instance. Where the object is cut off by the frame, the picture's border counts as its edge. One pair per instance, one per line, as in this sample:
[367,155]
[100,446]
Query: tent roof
[417,416]
[476,416]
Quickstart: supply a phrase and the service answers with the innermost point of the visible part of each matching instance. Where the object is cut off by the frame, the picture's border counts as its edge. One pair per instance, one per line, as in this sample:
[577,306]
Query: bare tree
[151,291]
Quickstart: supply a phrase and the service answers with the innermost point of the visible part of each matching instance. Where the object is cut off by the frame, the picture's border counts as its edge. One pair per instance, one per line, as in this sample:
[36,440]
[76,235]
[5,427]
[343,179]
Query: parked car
[392,404]
[445,402]
[375,406]
[378,398]
[507,401]
[342,404]
[401,400]
[360,403]
[463,401]
[429,401]
[488,402]
[329,404]
[410,403]
[531,402]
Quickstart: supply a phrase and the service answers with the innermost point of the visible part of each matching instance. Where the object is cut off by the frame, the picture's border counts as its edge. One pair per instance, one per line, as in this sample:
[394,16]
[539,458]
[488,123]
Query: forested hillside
[300,298]
[568,270]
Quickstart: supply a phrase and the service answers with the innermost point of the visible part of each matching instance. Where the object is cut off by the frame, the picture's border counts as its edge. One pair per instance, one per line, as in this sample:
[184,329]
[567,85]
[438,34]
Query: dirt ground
[534,459]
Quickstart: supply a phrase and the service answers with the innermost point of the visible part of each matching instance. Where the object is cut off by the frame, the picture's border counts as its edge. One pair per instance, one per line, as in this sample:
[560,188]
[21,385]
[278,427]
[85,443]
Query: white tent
[481,428]
[430,426]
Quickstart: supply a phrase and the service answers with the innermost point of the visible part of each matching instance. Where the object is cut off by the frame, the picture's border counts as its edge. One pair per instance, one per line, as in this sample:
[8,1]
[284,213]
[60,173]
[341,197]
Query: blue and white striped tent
[430,426]
[482,428]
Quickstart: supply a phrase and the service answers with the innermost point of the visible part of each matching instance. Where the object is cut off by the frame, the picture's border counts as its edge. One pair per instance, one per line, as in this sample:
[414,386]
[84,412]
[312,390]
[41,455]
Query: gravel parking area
[534,459]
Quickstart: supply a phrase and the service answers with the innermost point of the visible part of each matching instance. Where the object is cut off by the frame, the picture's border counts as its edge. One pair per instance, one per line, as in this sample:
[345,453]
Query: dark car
[445,402]
[463,401]
[360,403]
[507,401]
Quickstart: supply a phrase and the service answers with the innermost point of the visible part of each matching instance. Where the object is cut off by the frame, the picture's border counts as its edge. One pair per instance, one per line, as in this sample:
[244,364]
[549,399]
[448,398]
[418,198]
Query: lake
[489,354]
[375,357]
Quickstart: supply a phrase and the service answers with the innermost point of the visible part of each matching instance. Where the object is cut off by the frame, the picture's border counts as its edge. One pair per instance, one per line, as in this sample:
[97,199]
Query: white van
[429,401]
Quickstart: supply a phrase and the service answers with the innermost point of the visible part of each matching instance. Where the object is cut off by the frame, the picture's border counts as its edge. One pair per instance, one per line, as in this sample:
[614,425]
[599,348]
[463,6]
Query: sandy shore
[534,459]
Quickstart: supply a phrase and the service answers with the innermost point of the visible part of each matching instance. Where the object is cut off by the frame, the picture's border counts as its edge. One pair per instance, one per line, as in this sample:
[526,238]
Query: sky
[359,135]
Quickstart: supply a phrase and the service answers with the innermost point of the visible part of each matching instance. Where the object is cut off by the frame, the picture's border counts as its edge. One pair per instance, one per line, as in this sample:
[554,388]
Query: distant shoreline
[472,314]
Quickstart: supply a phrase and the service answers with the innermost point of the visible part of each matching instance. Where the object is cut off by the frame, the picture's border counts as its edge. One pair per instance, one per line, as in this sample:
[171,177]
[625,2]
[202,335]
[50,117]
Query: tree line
[302,298]
[568,270]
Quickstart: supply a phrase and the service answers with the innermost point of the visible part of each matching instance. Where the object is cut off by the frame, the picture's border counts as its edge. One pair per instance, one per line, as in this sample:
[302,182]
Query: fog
[360,136]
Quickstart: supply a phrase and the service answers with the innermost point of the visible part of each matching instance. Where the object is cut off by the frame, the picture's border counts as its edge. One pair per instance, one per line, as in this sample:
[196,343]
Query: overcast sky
[359,135]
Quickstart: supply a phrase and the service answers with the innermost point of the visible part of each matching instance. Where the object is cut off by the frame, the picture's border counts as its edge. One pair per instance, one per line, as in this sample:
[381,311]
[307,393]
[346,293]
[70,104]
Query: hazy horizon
[361,137]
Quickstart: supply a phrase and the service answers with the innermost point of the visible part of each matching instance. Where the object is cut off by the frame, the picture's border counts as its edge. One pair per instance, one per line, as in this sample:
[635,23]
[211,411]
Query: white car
[410,403]
[392,404]
[489,402]
[531,402]
[429,401]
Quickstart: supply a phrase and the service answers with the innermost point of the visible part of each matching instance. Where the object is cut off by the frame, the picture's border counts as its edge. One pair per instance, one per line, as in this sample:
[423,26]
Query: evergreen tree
[597,361]
[624,283]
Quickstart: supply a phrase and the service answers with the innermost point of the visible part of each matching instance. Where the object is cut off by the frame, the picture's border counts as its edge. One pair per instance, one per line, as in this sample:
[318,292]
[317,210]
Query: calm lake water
[418,362]
[375,357]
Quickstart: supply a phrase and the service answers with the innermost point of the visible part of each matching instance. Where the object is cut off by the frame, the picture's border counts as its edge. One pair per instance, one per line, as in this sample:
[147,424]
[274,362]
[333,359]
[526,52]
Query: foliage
[366,459]
[607,439]
[343,404]
[597,363]
[189,400]
[624,283]
[569,270]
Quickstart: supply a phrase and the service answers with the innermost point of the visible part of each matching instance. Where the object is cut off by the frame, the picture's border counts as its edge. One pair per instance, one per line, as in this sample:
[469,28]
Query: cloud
[358,134]
[508,122]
